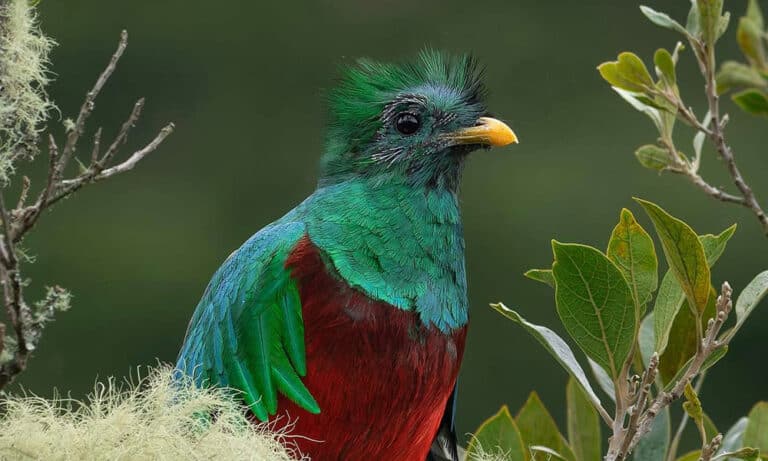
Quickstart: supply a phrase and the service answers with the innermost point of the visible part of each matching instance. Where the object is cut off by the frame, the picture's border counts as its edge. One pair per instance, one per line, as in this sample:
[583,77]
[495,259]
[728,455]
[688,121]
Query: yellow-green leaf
[684,253]
[583,424]
[628,72]
[541,275]
[498,434]
[692,405]
[734,74]
[537,427]
[665,67]
[631,249]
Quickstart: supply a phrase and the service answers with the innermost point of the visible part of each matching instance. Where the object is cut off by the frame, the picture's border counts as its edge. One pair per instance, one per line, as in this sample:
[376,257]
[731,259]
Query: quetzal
[347,316]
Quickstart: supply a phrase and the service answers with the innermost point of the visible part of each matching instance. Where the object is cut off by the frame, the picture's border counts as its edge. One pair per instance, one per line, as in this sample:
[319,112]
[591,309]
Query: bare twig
[17,222]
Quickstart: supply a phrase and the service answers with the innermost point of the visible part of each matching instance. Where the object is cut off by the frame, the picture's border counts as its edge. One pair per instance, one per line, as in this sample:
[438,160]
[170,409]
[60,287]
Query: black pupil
[407,123]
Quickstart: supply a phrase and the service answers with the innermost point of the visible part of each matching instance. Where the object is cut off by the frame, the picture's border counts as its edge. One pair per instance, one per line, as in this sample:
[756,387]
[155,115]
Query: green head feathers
[411,123]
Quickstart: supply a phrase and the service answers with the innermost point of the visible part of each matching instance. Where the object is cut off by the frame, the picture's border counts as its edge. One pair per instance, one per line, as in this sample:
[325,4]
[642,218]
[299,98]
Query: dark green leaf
[671,296]
[756,433]
[653,157]
[583,424]
[594,303]
[555,346]
[683,339]
[654,446]
[631,249]
[498,434]
[541,275]
[663,20]
[752,101]
[684,252]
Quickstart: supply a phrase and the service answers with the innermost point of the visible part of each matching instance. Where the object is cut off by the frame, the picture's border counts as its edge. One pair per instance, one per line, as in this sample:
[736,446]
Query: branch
[716,135]
[28,322]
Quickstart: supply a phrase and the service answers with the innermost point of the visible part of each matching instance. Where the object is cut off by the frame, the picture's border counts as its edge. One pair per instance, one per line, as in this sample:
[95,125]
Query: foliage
[660,97]
[158,417]
[643,361]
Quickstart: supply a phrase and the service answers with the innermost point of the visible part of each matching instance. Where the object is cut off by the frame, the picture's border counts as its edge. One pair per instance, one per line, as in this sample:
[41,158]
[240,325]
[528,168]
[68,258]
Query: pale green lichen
[156,418]
[24,104]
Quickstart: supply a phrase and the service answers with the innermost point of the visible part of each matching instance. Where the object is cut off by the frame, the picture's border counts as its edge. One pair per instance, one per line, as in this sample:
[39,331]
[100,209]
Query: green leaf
[750,40]
[752,101]
[714,245]
[628,73]
[665,67]
[746,453]
[537,427]
[653,157]
[756,432]
[692,23]
[645,339]
[555,345]
[754,14]
[594,303]
[643,106]
[498,434]
[690,456]
[631,249]
[749,298]
[710,20]
[583,424]
[545,452]
[683,338]
[603,380]
[684,253]
[734,74]
[541,275]
[654,446]
[663,20]
[670,297]
[732,440]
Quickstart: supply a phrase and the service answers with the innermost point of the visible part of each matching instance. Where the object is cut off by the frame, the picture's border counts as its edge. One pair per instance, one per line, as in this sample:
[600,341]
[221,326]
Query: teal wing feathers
[247,332]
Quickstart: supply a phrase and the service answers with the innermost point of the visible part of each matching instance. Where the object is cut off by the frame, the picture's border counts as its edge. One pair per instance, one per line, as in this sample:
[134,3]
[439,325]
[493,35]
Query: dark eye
[407,123]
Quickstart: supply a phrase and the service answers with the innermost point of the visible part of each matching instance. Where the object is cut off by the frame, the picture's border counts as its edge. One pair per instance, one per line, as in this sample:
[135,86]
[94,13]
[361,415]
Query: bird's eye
[407,123]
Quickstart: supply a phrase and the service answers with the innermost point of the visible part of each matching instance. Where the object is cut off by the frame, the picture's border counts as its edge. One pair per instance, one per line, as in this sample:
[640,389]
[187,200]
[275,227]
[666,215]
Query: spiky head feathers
[390,121]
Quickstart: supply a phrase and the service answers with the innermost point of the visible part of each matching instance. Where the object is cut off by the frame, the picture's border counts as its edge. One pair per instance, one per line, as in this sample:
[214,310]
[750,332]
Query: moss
[154,418]
[24,104]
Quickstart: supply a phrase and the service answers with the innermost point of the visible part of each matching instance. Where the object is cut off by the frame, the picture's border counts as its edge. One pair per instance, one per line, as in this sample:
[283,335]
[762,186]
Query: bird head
[411,123]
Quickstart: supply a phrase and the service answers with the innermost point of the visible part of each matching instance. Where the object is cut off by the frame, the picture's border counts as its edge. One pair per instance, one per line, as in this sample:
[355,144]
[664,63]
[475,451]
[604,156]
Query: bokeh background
[244,83]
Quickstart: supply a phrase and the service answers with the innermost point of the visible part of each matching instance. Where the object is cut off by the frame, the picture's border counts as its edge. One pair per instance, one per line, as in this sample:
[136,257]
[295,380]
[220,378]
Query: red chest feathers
[380,377]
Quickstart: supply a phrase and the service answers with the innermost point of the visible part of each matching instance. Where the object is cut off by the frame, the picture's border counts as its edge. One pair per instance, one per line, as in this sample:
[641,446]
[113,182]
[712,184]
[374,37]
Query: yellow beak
[488,131]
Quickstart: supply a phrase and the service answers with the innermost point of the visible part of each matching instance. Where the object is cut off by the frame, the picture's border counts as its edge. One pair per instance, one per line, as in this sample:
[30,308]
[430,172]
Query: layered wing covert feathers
[247,332]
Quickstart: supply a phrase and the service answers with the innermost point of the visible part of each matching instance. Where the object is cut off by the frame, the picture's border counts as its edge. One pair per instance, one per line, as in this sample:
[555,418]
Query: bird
[346,319]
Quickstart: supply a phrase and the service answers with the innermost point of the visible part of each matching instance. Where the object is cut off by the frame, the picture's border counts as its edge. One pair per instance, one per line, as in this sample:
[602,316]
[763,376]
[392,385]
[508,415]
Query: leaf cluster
[645,338]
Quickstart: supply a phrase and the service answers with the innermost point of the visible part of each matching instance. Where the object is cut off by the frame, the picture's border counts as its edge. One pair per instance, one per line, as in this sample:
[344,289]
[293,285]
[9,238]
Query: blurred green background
[244,83]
